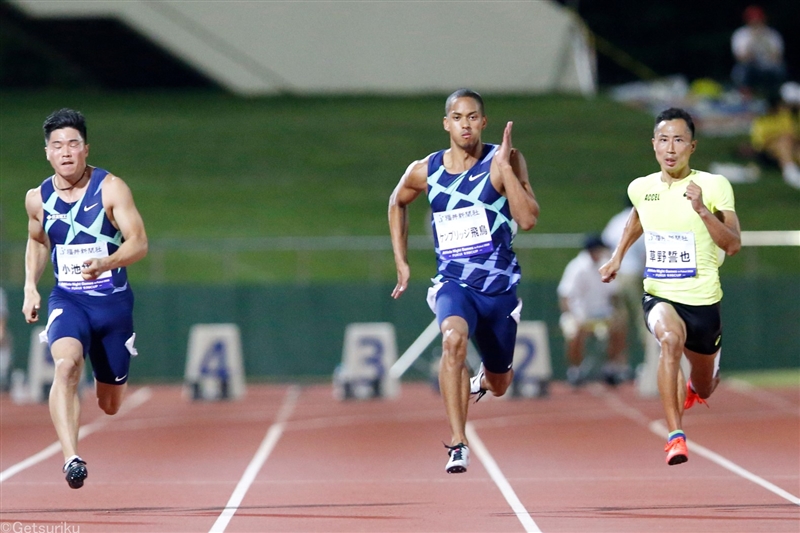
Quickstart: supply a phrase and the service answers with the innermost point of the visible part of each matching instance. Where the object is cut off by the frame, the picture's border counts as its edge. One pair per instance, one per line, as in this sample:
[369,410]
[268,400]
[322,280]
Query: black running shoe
[75,470]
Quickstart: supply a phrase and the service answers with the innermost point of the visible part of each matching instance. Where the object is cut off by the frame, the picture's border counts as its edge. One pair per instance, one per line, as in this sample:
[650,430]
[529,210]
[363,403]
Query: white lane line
[267,445]
[500,480]
[134,400]
[661,430]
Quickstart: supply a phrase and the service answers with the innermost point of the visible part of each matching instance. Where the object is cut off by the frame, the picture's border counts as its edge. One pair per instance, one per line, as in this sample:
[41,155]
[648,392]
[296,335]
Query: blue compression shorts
[102,324]
[492,321]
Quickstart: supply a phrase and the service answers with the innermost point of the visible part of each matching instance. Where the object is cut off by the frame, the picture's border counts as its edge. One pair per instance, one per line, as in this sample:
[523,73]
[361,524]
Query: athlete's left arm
[722,226]
[509,165]
[121,210]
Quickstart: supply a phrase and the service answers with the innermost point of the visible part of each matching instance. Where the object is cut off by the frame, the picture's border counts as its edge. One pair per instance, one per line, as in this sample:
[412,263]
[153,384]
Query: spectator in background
[775,136]
[629,296]
[588,308]
[5,343]
[758,52]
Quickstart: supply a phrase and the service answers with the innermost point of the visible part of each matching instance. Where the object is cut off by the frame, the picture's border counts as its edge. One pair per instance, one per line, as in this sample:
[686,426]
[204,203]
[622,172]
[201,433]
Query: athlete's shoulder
[712,182]
[717,190]
[639,187]
[707,177]
[645,181]
[34,194]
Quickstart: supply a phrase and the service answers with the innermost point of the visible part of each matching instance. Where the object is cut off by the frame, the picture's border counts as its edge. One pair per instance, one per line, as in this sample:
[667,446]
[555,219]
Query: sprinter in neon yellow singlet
[689,224]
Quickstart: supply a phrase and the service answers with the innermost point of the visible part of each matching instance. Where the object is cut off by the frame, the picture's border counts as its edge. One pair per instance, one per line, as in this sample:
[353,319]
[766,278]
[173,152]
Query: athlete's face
[67,152]
[673,145]
[465,122]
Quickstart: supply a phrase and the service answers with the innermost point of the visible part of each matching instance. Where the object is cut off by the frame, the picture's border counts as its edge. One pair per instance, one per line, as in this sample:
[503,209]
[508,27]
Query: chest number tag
[463,232]
[70,259]
[670,255]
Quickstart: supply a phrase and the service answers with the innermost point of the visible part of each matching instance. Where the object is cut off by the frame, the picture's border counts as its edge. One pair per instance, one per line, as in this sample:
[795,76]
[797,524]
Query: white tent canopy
[393,47]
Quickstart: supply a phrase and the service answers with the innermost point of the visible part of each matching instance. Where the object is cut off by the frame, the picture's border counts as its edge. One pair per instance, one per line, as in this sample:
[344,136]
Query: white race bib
[463,232]
[670,255]
[71,257]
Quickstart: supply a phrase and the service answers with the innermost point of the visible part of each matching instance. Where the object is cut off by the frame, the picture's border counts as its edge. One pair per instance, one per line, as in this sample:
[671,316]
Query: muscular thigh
[112,338]
[496,332]
[454,300]
[102,324]
[702,323]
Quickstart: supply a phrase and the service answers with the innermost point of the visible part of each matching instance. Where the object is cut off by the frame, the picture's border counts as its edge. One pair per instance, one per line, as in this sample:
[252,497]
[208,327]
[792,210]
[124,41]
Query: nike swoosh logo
[90,207]
[120,379]
[473,178]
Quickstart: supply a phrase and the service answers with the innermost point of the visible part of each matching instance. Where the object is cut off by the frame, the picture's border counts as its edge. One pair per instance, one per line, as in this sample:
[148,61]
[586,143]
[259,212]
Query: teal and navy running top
[78,232]
[472,226]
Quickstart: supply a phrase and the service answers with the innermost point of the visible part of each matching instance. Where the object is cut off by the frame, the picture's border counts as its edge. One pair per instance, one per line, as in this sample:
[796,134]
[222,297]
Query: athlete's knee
[454,346]
[109,405]
[671,344]
[499,383]
[704,389]
[68,371]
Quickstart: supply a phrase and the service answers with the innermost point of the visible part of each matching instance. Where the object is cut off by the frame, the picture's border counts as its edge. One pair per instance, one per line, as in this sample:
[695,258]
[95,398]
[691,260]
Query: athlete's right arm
[633,230]
[36,255]
[413,182]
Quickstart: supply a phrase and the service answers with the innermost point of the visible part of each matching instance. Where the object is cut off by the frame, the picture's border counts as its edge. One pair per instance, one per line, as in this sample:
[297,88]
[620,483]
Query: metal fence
[339,258]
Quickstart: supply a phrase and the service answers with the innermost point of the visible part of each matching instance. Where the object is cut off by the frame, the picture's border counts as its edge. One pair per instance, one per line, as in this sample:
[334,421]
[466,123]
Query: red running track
[292,459]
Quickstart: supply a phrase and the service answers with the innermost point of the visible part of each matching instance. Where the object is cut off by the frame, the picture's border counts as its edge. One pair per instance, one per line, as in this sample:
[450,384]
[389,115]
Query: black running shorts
[703,323]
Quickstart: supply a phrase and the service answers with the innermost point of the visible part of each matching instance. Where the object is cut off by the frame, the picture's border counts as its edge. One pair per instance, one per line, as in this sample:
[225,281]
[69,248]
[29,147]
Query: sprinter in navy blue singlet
[84,219]
[479,195]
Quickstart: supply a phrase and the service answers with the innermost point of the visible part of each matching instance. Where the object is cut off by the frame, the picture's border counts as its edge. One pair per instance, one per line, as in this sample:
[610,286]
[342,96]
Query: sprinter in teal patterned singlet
[479,195]
[85,220]
[84,226]
[488,263]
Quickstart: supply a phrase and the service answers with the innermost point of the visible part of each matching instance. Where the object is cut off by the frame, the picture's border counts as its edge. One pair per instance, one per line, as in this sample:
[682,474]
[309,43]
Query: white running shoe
[459,458]
[475,385]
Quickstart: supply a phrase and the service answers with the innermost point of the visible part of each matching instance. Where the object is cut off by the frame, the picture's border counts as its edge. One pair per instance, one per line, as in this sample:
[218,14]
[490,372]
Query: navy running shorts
[102,324]
[491,319]
[703,323]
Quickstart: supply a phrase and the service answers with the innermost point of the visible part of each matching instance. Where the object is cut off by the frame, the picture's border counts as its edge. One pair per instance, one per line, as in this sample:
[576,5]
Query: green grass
[789,377]
[210,165]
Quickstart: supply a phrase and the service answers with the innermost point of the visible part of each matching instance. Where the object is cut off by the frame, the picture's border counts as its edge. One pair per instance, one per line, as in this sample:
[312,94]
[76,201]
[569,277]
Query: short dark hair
[64,118]
[593,241]
[675,113]
[461,93]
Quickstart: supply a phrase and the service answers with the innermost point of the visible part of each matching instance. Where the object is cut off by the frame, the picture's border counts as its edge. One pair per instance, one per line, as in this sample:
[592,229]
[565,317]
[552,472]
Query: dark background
[635,40]
[690,37]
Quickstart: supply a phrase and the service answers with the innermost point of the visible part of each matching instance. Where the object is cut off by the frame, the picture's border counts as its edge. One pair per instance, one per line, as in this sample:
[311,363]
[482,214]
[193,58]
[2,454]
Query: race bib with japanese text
[71,258]
[463,232]
[670,255]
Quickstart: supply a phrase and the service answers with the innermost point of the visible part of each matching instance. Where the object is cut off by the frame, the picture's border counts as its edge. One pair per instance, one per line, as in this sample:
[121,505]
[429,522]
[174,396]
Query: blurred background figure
[588,309]
[628,301]
[758,52]
[775,136]
[5,343]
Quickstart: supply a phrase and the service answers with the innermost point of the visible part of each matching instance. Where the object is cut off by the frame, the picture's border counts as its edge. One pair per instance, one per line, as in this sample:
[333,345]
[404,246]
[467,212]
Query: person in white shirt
[629,298]
[758,51]
[587,308]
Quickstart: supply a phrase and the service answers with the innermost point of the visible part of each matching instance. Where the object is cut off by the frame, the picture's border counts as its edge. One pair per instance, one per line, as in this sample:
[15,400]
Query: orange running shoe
[692,397]
[676,451]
